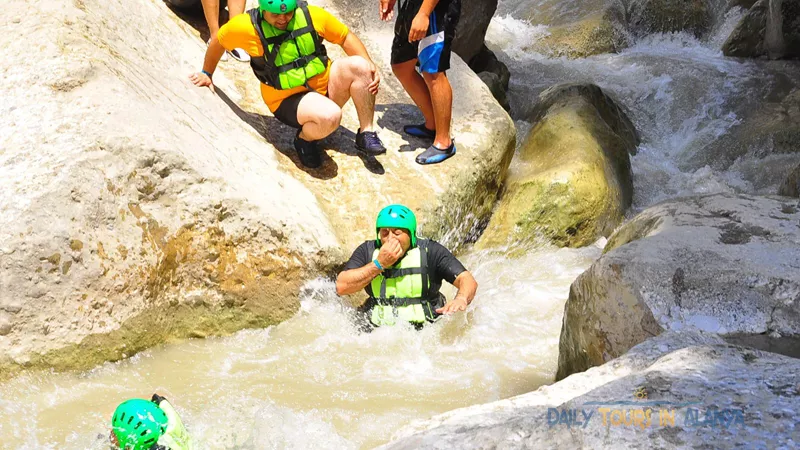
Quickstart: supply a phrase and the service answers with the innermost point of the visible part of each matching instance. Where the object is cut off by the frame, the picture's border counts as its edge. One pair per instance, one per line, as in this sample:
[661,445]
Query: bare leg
[350,78]
[211,11]
[318,115]
[442,99]
[235,7]
[417,89]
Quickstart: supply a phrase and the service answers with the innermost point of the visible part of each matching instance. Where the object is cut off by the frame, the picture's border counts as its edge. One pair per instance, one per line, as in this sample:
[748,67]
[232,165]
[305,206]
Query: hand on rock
[202,80]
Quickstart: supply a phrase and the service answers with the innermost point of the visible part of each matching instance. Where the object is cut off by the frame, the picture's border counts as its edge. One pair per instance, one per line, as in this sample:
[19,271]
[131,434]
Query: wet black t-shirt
[442,265]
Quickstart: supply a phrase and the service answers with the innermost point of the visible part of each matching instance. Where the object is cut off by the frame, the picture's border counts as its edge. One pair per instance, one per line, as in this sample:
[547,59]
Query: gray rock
[6,323]
[722,263]
[666,16]
[495,85]
[756,396]
[791,187]
[765,32]
[472,26]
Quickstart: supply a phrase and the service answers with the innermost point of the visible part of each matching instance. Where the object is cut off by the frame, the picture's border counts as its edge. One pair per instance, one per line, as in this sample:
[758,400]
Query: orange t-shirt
[240,33]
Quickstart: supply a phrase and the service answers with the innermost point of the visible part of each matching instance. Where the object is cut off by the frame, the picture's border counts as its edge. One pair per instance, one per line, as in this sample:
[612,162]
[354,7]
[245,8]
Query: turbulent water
[315,381]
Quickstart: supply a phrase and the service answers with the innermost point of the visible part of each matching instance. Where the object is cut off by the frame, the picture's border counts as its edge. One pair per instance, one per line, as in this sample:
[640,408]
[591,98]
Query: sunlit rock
[139,209]
[571,182]
[680,389]
[723,264]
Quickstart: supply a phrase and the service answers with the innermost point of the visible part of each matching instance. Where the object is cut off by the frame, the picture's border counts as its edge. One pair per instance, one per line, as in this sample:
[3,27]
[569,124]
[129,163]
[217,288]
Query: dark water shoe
[435,154]
[369,143]
[419,131]
[308,152]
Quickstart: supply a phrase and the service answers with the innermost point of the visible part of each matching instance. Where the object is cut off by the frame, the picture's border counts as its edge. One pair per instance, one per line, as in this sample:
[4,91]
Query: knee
[434,78]
[359,66]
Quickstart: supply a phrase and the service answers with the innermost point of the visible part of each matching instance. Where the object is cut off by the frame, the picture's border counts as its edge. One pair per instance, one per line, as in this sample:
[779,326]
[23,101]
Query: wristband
[209,75]
[377,264]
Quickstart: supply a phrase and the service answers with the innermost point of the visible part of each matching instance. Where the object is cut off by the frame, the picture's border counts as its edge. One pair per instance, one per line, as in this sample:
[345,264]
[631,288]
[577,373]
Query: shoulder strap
[423,264]
[318,46]
[270,56]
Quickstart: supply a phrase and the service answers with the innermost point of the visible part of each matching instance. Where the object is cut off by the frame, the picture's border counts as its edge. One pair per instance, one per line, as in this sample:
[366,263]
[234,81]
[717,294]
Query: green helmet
[277,6]
[397,216]
[138,424]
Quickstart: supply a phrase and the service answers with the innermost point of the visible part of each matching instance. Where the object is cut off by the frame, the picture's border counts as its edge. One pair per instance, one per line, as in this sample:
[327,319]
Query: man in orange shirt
[299,83]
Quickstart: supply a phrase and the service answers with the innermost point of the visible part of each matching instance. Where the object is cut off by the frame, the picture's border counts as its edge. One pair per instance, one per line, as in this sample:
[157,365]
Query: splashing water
[681,93]
[316,381]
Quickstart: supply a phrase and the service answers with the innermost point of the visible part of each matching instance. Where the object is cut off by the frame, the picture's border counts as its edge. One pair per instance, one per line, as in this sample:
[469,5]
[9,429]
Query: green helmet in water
[397,216]
[138,424]
[277,6]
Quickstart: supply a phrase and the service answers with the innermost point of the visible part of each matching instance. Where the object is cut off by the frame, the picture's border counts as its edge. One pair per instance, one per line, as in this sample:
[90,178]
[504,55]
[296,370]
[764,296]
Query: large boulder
[494,73]
[667,16]
[791,187]
[765,32]
[677,390]
[472,26]
[572,180]
[603,32]
[138,209]
[721,263]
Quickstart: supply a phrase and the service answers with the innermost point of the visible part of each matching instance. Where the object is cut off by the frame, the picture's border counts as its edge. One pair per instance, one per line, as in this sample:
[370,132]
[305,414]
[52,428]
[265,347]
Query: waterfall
[773,39]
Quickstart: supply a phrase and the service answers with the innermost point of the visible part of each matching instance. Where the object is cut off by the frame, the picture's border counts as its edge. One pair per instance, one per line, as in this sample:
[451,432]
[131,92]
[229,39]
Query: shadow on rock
[394,116]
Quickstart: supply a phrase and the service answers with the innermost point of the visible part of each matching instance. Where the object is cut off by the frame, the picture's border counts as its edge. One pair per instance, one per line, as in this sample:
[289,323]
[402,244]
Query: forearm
[353,46]
[467,287]
[428,6]
[213,54]
[353,280]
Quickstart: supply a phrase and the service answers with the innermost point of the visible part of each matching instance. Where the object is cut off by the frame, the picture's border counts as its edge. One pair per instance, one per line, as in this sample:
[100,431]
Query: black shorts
[287,110]
[433,51]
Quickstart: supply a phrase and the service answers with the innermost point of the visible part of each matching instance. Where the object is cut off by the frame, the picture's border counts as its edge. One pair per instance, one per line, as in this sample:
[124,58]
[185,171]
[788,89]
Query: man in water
[154,424]
[402,274]
[423,35]
[299,83]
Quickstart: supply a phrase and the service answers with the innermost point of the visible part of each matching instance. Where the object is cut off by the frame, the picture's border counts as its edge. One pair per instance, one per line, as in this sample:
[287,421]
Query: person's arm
[231,35]
[213,54]
[467,287]
[353,280]
[419,26]
[353,46]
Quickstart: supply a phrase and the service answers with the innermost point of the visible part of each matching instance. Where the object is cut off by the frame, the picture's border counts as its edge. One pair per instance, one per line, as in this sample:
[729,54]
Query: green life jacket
[291,56]
[403,290]
[176,437]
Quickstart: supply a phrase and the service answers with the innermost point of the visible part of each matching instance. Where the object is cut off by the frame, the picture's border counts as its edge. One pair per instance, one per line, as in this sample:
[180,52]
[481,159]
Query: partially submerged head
[277,13]
[397,222]
[137,424]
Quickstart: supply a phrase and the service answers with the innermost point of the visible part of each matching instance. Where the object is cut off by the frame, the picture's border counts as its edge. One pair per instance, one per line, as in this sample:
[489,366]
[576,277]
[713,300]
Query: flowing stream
[315,381]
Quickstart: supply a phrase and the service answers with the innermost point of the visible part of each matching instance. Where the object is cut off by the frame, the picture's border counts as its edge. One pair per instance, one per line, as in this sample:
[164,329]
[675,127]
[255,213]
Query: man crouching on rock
[301,86]
[402,274]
